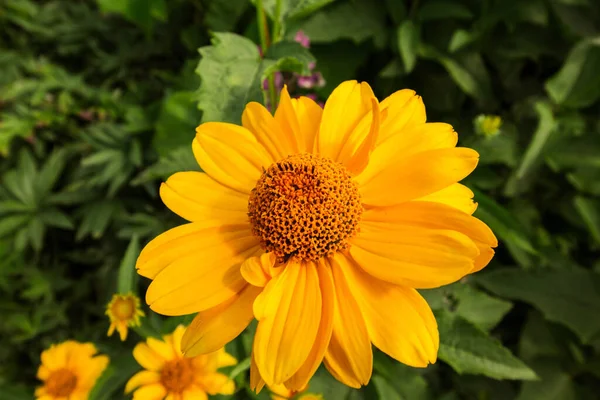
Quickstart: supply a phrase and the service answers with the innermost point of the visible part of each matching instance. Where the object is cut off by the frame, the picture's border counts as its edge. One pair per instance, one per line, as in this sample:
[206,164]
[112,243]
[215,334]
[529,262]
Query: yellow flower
[168,373]
[280,392]
[488,125]
[69,371]
[123,311]
[321,224]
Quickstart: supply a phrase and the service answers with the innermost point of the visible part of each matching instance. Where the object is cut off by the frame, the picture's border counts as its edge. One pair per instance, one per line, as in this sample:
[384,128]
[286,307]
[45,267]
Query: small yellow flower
[123,311]
[310,396]
[488,125]
[168,373]
[69,370]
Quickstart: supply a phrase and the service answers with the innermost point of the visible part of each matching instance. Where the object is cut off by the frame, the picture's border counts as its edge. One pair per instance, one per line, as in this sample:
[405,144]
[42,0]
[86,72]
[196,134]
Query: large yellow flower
[168,374]
[69,371]
[319,223]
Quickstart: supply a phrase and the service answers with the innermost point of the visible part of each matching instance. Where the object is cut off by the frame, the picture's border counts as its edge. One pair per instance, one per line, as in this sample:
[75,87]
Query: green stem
[276,36]
[264,44]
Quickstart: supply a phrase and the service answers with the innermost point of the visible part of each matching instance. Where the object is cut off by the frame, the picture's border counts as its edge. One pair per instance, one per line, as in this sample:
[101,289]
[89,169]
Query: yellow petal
[412,141]
[258,270]
[299,118]
[154,391]
[164,349]
[186,240]
[43,372]
[202,279]
[213,328]
[344,109]
[194,393]
[196,197]
[349,356]
[301,378]
[147,358]
[357,157]
[439,216]
[457,195]
[399,321]
[256,381]
[432,215]
[401,110]
[413,256]
[140,379]
[176,338]
[217,384]
[288,313]
[268,131]
[230,154]
[90,371]
[415,176]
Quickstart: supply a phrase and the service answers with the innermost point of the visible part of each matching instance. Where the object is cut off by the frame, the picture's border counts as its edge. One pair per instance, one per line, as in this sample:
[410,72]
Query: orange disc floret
[305,207]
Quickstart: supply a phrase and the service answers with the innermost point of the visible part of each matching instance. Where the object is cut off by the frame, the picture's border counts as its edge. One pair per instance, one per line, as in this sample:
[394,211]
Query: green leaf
[384,389]
[443,9]
[577,84]
[290,56]
[50,172]
[407,382]
[141,12]
[408,42]
[470,350]
[36,231]
[176,124]
[460,39]
[222,16]
[555,383]
[543,139]
[475,85]
[356,20]
[589,210]
[569,297]
[11,223]
[127,279]
[503,223]
[120,369]
[291,9]
[472,304]
[230,72]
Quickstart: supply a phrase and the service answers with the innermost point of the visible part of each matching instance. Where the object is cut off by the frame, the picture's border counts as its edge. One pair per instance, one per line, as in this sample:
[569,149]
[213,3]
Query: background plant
[99,101]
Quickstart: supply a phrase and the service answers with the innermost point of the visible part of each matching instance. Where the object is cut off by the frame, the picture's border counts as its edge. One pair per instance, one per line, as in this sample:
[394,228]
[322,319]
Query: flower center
[304,207]
[61,383]
[123,309]
[176,375]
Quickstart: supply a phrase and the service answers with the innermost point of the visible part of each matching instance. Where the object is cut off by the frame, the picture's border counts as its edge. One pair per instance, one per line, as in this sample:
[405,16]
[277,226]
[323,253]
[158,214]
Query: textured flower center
[177,375]
[61,383]
[304,207]
[123,309]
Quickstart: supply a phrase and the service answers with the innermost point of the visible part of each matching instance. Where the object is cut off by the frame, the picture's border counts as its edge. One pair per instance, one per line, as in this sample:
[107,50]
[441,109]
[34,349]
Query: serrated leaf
[408,42]
[232,74]
[570,297]
[470,350]
[127,278]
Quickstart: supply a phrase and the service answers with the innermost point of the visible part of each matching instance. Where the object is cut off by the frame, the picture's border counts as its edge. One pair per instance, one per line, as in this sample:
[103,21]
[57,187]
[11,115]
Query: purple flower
[303,39]
[311,81]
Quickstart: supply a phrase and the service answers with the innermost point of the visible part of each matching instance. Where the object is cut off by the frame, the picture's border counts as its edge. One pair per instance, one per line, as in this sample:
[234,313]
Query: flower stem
[264,44]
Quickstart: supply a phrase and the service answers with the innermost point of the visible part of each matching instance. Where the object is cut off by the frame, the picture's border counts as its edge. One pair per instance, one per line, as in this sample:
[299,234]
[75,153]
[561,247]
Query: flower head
[69,370]
[168,373]
[321,224]
[123,311]
[488,125]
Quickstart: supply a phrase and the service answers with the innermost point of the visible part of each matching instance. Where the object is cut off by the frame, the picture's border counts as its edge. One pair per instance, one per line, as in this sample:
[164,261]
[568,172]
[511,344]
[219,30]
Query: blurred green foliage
[98,104]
